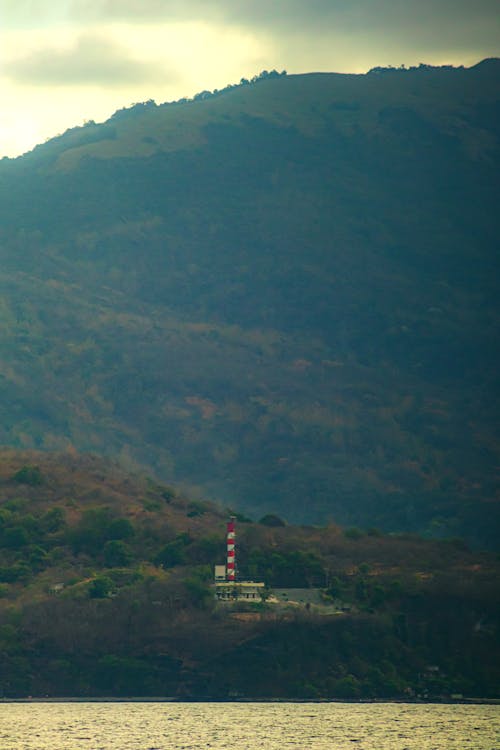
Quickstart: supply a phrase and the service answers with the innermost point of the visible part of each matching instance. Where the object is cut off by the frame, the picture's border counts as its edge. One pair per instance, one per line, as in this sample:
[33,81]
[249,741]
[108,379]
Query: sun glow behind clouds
[53,82]
[66,61]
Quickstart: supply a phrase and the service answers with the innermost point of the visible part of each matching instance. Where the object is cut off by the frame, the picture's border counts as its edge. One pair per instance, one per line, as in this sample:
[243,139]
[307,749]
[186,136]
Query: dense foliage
[283,296]
[105,590]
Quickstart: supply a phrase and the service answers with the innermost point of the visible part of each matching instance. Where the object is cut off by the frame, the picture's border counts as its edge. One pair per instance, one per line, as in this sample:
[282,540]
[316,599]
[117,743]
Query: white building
[238,591]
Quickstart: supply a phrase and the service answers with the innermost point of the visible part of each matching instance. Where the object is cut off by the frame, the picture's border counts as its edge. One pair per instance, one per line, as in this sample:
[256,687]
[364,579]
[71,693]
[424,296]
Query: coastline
[195,699]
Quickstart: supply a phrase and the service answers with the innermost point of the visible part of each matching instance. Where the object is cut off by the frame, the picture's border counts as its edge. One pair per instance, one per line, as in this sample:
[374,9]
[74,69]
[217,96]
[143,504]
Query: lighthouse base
[239,591]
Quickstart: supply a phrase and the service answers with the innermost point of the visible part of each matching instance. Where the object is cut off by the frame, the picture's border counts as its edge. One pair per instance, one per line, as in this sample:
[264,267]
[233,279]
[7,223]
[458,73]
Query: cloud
[420,25]
[91,60]
[298,14]
[415,24]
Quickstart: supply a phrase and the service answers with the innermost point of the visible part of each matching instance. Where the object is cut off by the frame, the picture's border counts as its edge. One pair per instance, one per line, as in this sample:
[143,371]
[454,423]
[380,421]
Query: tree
[117,554]
[29,475]
[120,528]
[171,554]
[100,587]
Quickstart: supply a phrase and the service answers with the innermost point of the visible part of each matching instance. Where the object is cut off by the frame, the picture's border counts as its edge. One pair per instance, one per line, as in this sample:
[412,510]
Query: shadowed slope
[283,295]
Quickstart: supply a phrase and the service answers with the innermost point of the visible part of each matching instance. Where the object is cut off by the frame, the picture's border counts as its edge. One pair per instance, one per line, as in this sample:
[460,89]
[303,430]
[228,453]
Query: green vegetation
[29,475]
[270,519]
[282,297]
[103,596]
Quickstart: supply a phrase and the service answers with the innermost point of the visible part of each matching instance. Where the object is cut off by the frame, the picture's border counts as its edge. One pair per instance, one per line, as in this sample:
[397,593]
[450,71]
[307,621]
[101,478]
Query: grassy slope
[286,299]
[298,101]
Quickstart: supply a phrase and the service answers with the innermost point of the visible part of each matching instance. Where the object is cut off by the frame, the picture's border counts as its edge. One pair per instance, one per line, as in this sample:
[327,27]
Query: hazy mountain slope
[284,294]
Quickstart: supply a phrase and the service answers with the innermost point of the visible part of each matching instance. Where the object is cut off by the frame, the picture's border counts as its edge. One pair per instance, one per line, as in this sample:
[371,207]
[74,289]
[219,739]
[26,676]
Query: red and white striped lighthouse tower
[231,556]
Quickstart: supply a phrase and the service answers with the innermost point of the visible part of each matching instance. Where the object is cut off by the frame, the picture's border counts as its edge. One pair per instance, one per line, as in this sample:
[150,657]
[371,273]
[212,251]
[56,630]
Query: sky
[63,62]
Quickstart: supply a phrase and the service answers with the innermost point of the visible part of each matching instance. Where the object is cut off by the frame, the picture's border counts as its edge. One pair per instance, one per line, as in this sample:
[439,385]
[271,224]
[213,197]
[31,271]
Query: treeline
[105,589]
[138,107]
[420,67]
[116,647]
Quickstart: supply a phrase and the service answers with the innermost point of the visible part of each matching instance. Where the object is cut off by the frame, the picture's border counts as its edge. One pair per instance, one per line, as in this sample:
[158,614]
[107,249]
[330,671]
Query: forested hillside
[105,591]
[283,296]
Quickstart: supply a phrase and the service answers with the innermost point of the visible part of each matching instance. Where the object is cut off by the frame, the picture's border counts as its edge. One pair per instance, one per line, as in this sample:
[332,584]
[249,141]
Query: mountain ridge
[289,309]
[242,90]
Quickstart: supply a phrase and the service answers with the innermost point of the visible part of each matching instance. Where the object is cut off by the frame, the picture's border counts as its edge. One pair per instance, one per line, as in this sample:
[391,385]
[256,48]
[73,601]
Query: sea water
[240,726]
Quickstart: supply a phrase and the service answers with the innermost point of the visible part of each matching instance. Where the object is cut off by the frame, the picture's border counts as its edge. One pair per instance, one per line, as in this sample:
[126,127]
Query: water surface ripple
[247,726]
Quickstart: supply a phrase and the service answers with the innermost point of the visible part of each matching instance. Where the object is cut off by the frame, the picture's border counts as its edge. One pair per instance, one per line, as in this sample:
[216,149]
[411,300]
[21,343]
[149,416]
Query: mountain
[105,591]
[282,296]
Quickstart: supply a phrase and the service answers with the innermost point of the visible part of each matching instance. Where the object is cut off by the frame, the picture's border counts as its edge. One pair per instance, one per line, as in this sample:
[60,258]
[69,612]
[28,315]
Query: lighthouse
[227,588]
[231,550]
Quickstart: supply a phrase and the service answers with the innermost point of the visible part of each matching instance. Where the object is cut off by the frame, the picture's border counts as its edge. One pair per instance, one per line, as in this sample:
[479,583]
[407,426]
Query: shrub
[272,520]
[353,533]
[53,520]
[100,587]
[13,573]
[29,475]
[117,554]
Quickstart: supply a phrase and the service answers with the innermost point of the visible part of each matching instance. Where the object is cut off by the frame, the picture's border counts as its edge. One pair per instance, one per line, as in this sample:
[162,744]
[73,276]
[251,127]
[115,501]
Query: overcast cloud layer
[64,61]
[278,14]
[92,59]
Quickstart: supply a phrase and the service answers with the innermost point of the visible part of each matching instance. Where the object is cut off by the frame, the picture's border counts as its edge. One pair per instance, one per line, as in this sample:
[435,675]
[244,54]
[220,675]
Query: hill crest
[288,301]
